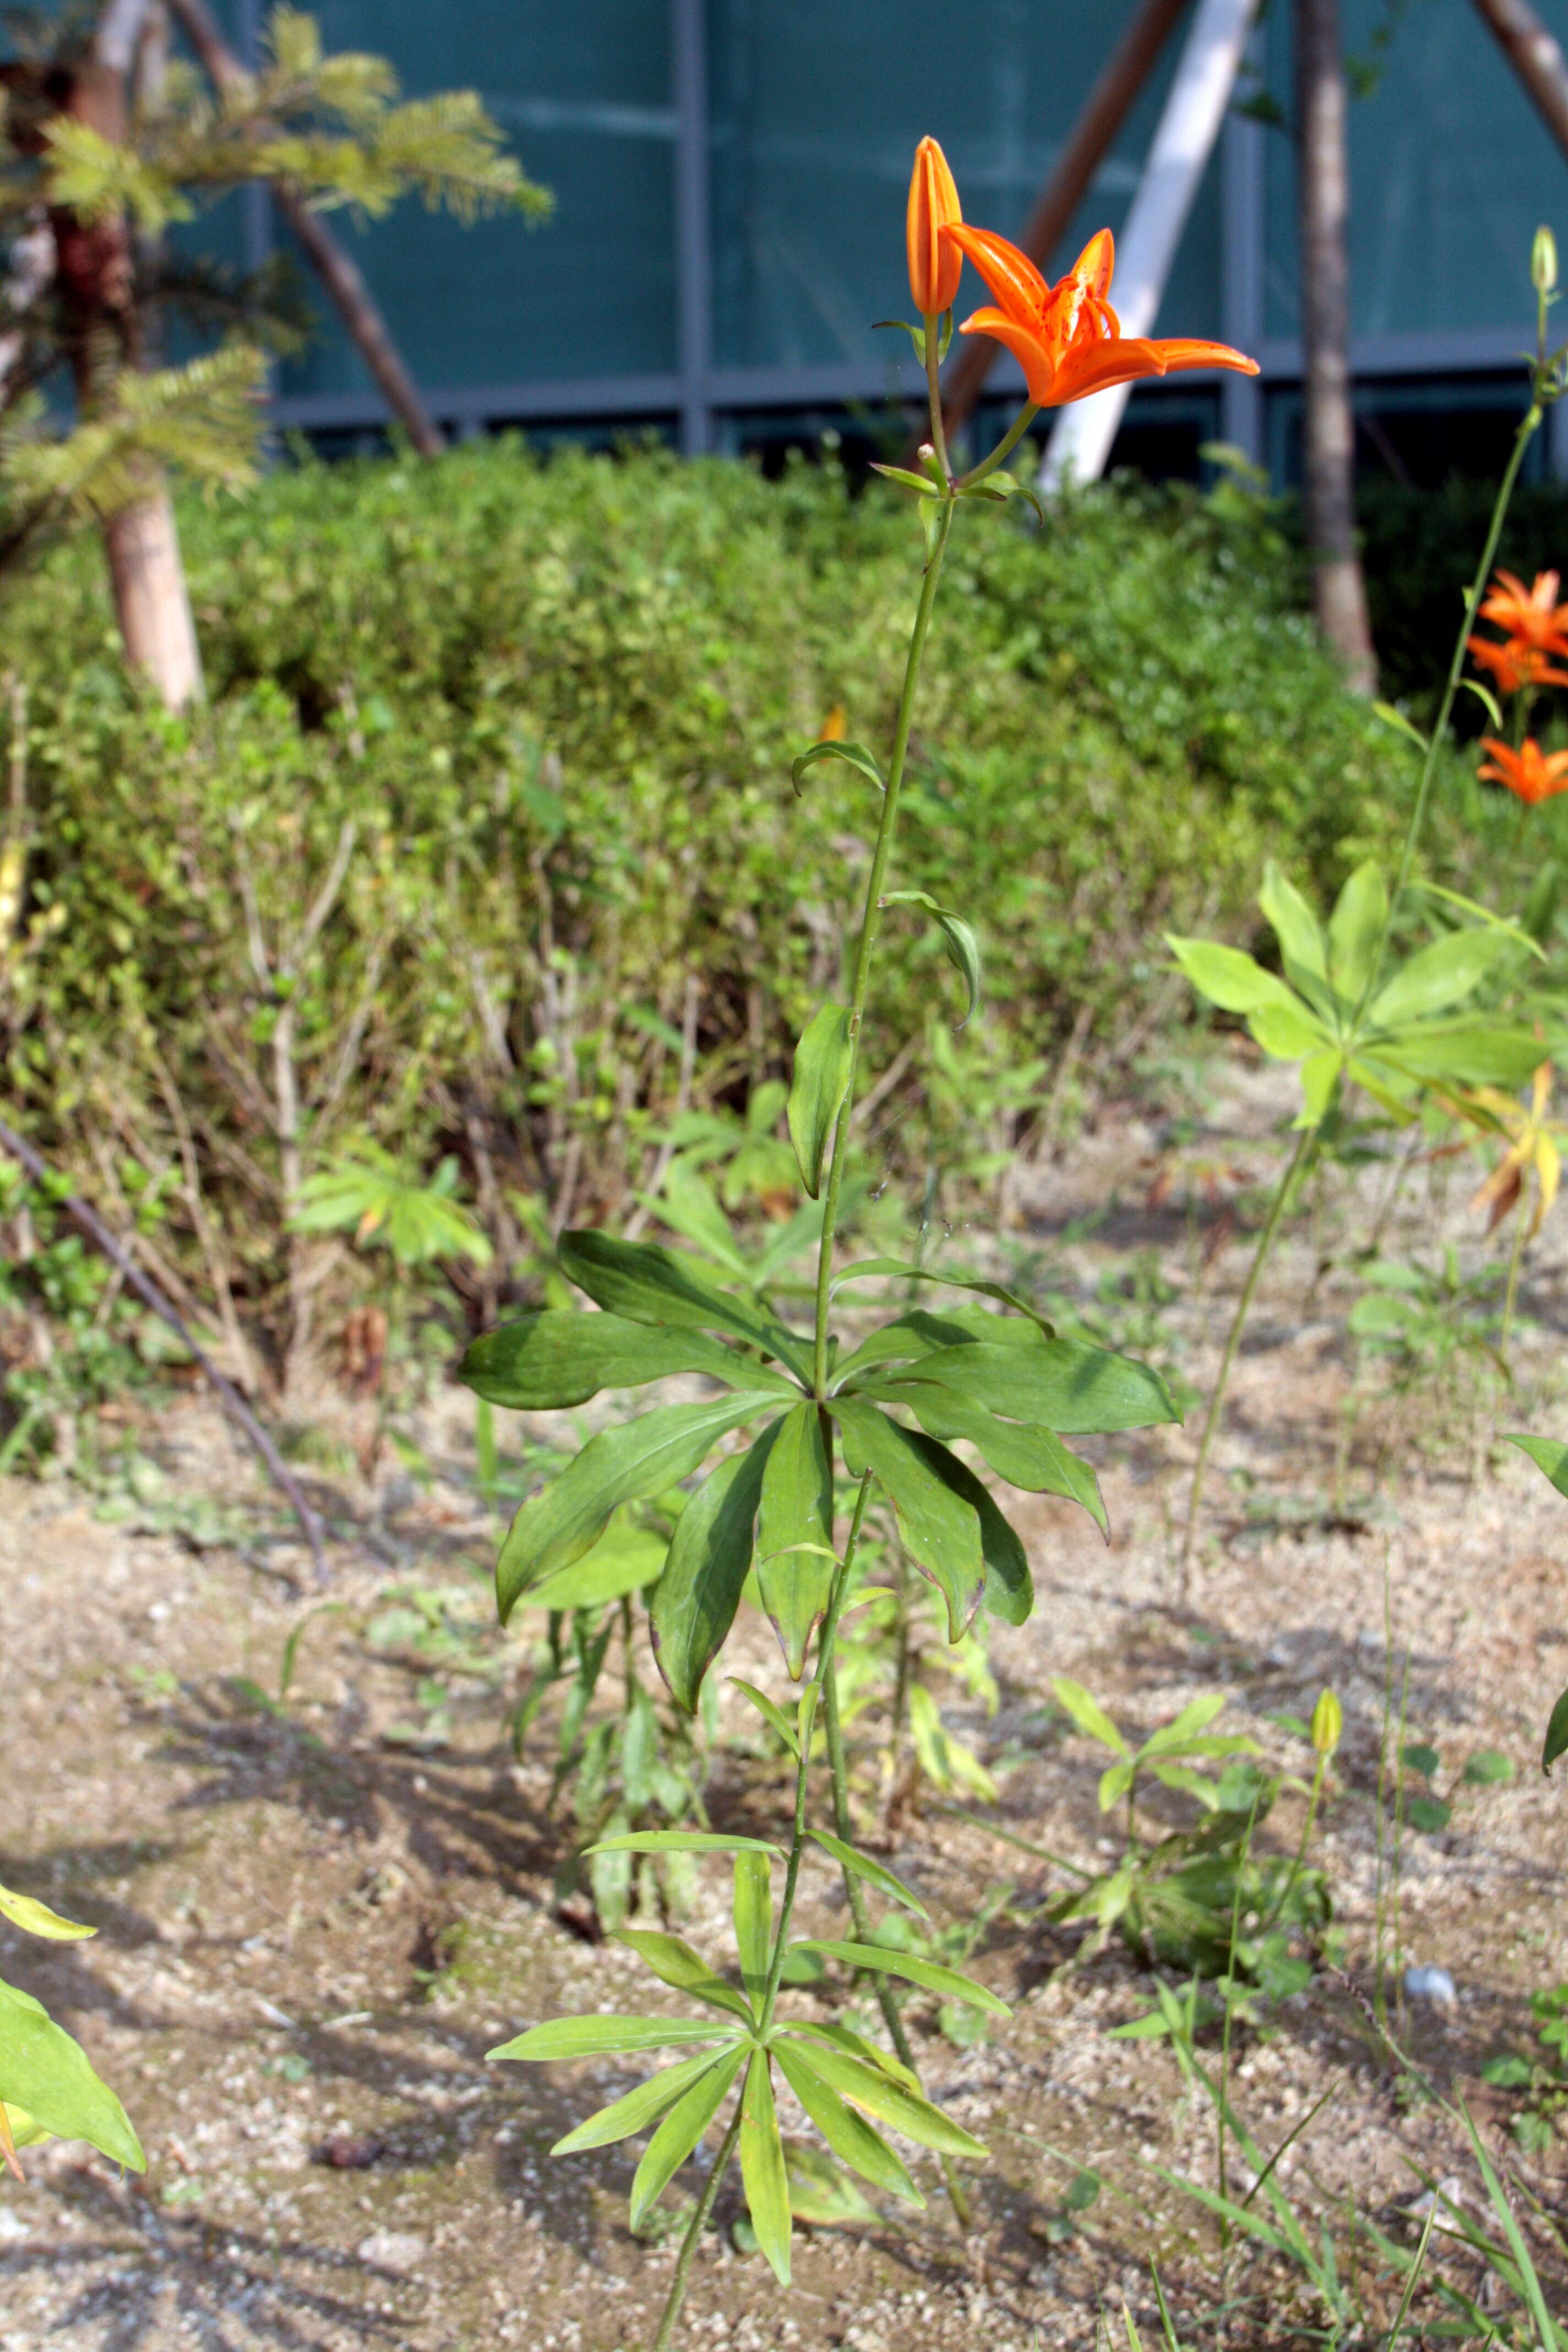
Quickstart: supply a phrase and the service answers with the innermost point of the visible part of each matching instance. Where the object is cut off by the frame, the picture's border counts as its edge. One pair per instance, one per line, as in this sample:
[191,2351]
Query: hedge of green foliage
[556,704]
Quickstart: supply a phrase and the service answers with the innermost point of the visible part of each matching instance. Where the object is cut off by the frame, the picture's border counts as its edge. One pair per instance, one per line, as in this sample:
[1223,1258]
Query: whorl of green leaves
[203,418]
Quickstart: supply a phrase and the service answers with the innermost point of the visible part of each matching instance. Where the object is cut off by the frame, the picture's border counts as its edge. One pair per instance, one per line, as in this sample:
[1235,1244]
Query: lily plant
[983,1373]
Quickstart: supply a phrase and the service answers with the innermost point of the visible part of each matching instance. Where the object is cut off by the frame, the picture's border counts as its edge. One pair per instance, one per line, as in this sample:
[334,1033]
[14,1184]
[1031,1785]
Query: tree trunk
[1329,423]
[151,598]
[97,277]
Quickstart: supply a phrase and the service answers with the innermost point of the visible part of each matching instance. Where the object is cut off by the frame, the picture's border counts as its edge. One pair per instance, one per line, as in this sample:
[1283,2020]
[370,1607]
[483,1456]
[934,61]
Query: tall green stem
[1304,1142]
[869,930]
[1522,441]
[694,2228]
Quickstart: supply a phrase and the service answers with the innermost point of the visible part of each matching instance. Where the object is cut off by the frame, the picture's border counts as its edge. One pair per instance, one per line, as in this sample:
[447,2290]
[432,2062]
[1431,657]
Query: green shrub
[557,705]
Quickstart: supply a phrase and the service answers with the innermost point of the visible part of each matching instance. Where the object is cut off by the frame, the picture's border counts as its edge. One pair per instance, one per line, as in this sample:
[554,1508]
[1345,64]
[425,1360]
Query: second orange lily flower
[1529,772]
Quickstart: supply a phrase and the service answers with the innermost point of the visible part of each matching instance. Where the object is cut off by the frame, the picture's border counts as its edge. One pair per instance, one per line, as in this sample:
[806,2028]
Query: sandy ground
[309,1932]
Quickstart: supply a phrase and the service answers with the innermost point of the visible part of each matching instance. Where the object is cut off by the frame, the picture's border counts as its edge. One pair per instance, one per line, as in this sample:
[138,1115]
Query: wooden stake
[1535,56]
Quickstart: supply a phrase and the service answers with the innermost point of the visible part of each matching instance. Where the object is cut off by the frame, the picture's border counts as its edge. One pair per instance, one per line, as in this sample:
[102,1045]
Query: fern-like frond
[449,150]
[203,419]
[97,179]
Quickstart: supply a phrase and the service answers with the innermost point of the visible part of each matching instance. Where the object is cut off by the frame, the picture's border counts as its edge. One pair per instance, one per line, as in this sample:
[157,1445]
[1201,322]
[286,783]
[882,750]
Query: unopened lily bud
[935,264]
[1328,1724]
[1543,261]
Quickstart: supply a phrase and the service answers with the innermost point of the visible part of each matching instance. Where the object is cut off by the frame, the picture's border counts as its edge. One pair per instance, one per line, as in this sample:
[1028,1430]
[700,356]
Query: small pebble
[1435,1985]
[396,2251]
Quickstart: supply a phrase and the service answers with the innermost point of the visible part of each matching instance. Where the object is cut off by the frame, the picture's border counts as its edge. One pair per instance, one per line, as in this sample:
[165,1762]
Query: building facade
[730,179]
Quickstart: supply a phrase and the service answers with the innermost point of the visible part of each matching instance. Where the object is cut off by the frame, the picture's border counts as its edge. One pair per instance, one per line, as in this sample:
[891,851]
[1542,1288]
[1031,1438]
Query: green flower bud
[1543,261]
[1328,1724]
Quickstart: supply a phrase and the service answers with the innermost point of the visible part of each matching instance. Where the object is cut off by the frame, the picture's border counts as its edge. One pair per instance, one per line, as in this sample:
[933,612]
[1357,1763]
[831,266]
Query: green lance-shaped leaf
[675,1963]
[856,753]
[870,2087]
[638,2109]
[962,947]
[901,1270]
[649,1285]
[754,1922]
[1286,1032]
[775,1717]
[855,2045]
[35,1918]
[1054,1385]
[641,1457]
[709,1554]
[1087,1714]
[560,1357]
[923,1330]
[939,1530]
[822,1063]
[625,1559]
[1034,1459]
[1556,1738]
[1355,930]
[763,2173]
[46,2072]
[795,1533]
[1439,975]
[1548,1454]
[1229,978]
[1463,1051]
[846,2134]
[1303,946]
[682,1842]
[1009,1587]
[875,1873]
[928,1974]
[607,2037]
[679,2132]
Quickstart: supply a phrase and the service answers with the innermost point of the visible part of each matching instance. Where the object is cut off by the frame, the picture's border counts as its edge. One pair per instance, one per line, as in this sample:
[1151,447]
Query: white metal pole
[1184,142]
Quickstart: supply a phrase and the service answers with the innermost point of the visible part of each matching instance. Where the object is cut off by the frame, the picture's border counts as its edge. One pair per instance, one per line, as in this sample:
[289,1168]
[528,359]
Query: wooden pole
[1328,451]
[1105,111]
[1535,56]
[355,304]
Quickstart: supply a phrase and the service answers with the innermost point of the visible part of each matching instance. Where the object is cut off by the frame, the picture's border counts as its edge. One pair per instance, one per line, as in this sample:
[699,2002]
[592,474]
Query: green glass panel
[814,112]
[583,95]
[1451,168]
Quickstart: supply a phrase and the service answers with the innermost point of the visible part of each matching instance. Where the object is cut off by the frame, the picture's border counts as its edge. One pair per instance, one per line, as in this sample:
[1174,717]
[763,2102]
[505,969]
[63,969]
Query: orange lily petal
[1095,367]
[1012,276]
[1027,347]
[1184,352]
[1095,264]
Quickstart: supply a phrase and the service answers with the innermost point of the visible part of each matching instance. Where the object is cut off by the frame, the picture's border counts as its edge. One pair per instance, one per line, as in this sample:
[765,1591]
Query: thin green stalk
[1003,449]
[826,1639]
[1304,1142]
[869,930]
[694,2230]
[1522,441]
[1301,1854]
[833,1732]
[933,395]
[1380,2004]
[1223,2101]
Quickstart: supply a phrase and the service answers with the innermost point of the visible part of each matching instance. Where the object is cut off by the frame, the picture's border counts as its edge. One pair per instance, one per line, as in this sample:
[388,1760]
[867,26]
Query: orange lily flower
[1066,337]
[1532,615]
[1532,774]
[934,267]
[1514,664]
